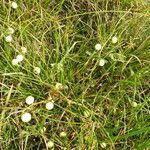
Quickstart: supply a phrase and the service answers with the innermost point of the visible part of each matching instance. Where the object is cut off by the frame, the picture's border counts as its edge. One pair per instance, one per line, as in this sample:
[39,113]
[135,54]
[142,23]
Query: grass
[96,104]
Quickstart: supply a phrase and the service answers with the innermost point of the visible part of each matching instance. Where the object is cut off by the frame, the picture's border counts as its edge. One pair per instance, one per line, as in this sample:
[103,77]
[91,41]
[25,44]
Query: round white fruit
[30,100]
[37,70]
[102,62]
[11,30]
[20,58]
[49,105]
[103,145]
[26,117]
[98,47]
[114,39]
[63,134]
[50,144]
[8,38]
[14,5]
[15,62]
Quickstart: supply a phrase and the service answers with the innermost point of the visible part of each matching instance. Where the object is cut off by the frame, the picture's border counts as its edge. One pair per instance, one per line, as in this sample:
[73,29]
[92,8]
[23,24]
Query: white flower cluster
[9,38]
[18,59]
[98,47]
[14,5]
[26,117]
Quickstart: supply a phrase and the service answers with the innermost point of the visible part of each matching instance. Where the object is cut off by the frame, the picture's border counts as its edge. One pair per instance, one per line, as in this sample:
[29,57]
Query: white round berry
[114,39]
[102,62]
[14,61]
[11,30]
[49,105]
[59,86]
[37,70]
[26,117]
[50,144]
[63,134]
[98,47]
[20,58]
[24,49]
[134,104]
[30,100]
[14,5]
[8,38]
[103,145]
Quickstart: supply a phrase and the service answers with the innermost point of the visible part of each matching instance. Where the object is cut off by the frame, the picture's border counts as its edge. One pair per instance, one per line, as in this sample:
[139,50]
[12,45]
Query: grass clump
[97,96]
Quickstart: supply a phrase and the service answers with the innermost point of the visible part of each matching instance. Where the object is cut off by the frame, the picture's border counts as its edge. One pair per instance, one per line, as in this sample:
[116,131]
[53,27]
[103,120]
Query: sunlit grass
[74,75]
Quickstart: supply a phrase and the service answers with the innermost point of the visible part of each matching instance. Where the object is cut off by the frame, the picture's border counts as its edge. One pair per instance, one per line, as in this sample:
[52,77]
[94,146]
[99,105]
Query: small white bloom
[24,49]
[14,5]
[63,134]
[98,47]
[114,39]
[134,104]
[37,70]
[11,30]
[50,144]
[15,62]
[8,38]
[30,100]
[20,58]
[59,86]
[49,105]
[26,117]
[102,62]
[103,145]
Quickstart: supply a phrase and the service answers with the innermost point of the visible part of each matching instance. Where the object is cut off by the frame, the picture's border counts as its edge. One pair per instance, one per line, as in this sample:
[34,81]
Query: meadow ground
[75,75]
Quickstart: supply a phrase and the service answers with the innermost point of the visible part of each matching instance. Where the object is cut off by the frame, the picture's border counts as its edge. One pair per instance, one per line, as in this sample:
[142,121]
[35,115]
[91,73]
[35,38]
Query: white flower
[14,5]
[30,100]
[59,86]
[8,38]
[49,105]
[102,62]
[50,144]
[103,145]
[26,117]
[98,47]
[20,58]
[37,70]
[11,30]
[134,104]
[63,134]
[15,62]
[24,49]
[114,39]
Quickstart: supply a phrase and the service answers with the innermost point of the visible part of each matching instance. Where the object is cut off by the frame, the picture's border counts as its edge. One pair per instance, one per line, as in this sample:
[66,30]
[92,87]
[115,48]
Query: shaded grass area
[96,106]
